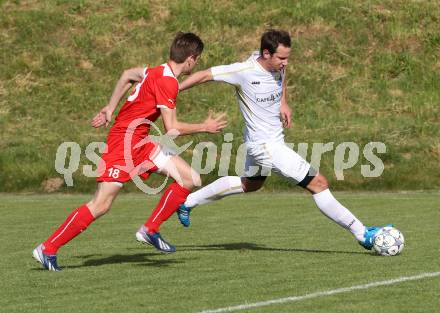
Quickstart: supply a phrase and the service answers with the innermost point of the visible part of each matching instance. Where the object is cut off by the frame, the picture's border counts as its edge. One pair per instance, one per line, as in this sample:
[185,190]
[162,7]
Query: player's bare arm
[197,78]
[125,82]
[285,110]
[211,124]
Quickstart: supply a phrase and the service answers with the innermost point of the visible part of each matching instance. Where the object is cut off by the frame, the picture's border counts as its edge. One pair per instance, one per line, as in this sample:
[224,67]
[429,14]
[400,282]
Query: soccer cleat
[49,262]
[370,233]
[183,214]
[154,240]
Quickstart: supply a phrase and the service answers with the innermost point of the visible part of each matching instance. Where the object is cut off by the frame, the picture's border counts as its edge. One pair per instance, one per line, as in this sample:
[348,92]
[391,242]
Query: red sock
[174,196]
[75,223]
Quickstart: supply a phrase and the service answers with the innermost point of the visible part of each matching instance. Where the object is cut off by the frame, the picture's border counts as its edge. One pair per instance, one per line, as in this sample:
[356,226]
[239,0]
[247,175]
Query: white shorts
[162,157]
[276,157]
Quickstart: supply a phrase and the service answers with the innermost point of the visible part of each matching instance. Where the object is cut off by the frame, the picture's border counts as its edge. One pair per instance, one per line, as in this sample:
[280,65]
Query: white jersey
[259,96]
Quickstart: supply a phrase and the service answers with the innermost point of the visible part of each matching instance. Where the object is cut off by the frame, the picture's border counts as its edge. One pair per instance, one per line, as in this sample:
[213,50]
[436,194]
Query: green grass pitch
[243,249]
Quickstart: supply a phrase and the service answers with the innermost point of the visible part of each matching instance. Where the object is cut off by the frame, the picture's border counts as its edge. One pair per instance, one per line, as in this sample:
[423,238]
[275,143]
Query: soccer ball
[388,241]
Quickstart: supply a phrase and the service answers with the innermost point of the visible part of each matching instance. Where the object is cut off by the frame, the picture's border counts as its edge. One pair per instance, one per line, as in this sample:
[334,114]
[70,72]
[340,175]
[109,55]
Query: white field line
[321,293]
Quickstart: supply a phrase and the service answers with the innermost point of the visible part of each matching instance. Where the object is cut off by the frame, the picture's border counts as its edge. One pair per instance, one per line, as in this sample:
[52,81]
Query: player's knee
[323,183]
[318,184]
[191,181]
[197,180]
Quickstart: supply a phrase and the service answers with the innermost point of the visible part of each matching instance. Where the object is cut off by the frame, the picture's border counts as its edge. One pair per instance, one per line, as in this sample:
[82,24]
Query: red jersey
[158,89]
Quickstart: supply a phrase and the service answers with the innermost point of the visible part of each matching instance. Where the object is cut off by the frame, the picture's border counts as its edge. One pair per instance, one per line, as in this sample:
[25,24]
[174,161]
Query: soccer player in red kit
[129,152]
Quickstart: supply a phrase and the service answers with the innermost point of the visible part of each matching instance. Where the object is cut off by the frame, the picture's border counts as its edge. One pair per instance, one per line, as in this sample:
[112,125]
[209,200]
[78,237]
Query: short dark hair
[185,45]
[272,38]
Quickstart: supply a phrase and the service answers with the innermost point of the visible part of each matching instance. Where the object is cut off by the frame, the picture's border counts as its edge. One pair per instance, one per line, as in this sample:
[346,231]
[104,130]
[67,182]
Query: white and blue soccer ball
[388,241]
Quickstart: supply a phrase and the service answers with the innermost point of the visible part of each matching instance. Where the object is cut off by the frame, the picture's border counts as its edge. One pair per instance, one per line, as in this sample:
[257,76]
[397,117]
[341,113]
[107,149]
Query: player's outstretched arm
[212,124]
[127,79]
[197,78]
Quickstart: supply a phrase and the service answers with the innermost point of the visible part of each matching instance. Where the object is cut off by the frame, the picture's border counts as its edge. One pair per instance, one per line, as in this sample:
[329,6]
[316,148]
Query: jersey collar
[171,70]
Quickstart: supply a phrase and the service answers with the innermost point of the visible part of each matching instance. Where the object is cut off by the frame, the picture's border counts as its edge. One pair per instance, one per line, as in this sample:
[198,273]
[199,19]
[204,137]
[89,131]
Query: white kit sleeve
[231,74]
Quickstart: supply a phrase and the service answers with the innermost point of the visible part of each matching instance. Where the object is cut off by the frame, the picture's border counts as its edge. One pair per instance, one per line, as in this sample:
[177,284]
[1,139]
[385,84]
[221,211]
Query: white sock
[334,210]
[216,190]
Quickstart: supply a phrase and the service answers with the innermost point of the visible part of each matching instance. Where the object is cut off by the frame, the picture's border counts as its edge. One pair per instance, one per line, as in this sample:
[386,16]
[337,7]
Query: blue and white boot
[49,262]
[154,240]
[370,233]
[183,213]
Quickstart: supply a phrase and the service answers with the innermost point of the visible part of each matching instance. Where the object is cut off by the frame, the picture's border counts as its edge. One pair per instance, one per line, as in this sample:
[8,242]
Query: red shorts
[121,164]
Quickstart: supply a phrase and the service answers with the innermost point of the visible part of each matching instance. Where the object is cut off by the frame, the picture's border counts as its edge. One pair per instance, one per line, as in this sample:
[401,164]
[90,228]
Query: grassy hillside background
[360,71]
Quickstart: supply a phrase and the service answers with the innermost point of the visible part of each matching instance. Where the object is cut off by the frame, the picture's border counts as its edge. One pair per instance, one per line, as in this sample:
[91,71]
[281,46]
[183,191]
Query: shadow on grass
[243,246]
[148,259]
[140,259]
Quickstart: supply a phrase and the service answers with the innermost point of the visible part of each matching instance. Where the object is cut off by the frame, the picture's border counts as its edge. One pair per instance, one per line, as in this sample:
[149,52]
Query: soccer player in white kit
[261,93]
